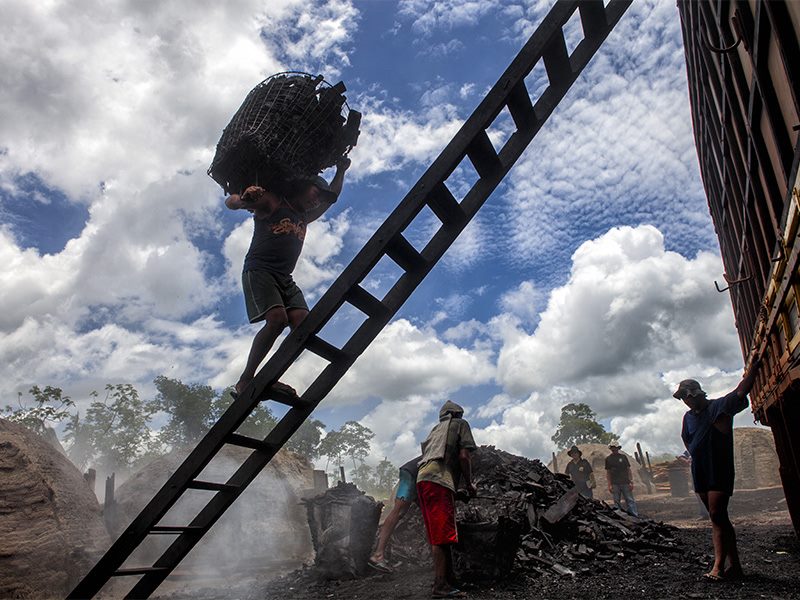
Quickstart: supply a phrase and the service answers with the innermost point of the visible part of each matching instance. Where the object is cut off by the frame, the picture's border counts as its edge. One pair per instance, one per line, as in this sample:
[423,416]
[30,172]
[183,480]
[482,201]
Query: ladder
[471,143]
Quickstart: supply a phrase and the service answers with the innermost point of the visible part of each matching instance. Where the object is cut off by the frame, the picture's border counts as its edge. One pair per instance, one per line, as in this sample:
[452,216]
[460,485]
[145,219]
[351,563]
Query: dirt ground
[769,548]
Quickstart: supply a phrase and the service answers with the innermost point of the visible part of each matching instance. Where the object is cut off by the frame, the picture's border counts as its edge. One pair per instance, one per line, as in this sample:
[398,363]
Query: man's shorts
[407,488]
[264,290]
[438,507]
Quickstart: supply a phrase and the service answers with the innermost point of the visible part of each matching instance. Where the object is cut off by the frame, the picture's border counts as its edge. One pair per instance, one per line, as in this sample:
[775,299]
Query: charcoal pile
[524,509]
[343,523]
[291,126]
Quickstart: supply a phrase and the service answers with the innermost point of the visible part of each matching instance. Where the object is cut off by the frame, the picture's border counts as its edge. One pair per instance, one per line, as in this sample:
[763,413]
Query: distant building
[743,63]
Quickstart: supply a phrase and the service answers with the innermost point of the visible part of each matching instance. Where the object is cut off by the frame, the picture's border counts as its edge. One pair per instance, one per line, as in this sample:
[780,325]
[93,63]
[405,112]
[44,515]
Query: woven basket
[291,126]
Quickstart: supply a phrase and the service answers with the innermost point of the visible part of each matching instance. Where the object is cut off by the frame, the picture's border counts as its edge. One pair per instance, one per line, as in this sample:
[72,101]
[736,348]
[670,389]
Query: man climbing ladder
[270,293]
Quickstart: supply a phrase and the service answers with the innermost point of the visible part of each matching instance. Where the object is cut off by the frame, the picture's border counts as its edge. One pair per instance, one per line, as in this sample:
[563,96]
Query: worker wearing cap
[580,471]
[270,293]
[708,435]
[620,479]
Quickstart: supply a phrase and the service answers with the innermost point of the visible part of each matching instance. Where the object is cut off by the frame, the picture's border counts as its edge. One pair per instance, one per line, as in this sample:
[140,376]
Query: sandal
[713,577]
[380,565]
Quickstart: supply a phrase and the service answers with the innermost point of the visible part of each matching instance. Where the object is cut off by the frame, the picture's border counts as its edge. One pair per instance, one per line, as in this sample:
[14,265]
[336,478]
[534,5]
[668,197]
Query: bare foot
[284,388]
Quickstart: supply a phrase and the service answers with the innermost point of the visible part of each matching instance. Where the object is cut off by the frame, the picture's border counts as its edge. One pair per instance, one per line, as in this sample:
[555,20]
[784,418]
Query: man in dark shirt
[406,496]
[707,433]
[620,479]
[270,293]
[580,471]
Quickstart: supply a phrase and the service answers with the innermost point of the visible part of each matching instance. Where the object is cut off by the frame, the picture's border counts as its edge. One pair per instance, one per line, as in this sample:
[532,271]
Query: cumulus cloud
[405,360]
[628,304]
[393,138]
[632,320]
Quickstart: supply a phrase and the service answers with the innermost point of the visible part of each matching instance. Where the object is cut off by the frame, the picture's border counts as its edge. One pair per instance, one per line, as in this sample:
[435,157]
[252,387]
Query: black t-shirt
[617,466]
[277,241]
[579,471]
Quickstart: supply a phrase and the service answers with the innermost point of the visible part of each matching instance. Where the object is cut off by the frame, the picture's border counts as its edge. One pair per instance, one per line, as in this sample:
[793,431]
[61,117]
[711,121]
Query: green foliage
[190,409]
[50,407]
[578,426]
[257,425]
[306,439]
[78,440]
[352,440]
[363,477]
[118,431]
[385,477]
[378,481]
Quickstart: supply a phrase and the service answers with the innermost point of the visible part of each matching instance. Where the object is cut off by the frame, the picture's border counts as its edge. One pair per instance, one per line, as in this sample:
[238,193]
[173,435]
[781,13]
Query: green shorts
[264,290]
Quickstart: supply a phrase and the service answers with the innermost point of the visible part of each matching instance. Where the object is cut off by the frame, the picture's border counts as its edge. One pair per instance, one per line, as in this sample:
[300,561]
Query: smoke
[264,534]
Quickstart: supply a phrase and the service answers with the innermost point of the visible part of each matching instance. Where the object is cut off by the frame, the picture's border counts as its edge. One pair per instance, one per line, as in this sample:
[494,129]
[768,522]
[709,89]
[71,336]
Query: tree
[363,477]
[306,439]
[118,429]
[385,477]
[190,408]
[258,424]
[50,407]
[78,439]
[578,426]
[352,440]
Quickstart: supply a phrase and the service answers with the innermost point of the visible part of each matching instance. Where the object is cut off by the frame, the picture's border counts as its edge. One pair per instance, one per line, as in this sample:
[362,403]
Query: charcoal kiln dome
[51,527]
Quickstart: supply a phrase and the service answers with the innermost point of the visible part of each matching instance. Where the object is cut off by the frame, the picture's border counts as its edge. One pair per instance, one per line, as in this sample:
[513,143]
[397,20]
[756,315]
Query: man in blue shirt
[708,435]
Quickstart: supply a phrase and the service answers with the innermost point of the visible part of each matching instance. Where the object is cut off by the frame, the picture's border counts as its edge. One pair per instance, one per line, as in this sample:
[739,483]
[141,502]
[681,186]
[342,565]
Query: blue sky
[587,277]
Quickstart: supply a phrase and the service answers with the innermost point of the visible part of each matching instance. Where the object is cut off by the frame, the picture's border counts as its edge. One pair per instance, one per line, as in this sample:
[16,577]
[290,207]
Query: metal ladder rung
[168,529]
[400,250]
[212,486]
[139,571]
[325,349]
[520,106]
[482,154]
[366,302]
[445,206]
[556,60]
[252,443]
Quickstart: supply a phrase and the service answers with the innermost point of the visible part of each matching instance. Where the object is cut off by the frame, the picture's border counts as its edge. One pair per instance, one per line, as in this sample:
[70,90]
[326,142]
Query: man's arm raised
[337,183]
[746,384]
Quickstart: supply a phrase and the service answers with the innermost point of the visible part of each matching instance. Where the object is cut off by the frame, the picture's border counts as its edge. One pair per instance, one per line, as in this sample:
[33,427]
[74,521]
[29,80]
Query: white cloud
[406,361]
[393,138]
[427,16]
[628,305]
[631,321]
[525,302]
